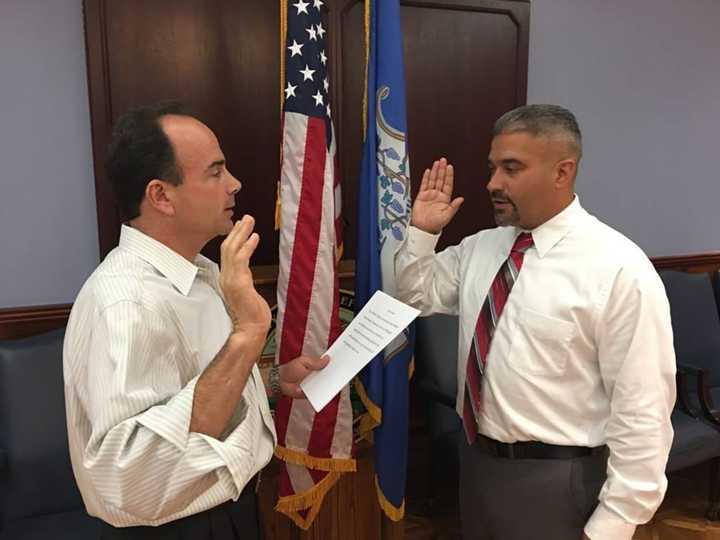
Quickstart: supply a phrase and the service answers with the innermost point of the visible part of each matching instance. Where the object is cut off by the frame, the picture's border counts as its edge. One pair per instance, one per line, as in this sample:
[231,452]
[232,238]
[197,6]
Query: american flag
[315,448]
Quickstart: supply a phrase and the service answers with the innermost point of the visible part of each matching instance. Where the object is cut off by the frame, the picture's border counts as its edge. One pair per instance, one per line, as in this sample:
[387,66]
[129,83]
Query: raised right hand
[433,207]
[248,310]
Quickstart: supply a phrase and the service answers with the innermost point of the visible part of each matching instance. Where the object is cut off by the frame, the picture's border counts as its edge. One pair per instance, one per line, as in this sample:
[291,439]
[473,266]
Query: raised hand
[248,310]
[434,206]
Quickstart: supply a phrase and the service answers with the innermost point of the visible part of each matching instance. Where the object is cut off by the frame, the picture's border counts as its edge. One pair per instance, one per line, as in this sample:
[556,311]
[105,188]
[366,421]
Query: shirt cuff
[605,524]
[421,242]
[171,421]
[239,465]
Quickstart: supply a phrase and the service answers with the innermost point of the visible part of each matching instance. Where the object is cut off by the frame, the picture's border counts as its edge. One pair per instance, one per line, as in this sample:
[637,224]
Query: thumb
[317,364]
[454,207]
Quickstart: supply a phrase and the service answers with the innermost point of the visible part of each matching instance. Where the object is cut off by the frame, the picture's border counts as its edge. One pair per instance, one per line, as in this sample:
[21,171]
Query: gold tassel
[321,464]
[310,499]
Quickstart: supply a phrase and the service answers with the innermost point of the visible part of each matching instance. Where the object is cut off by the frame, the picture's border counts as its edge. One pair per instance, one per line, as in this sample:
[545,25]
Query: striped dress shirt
[143,328]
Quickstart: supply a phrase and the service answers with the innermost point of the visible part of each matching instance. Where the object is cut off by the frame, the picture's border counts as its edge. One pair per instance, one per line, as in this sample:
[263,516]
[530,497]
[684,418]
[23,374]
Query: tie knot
[522,243]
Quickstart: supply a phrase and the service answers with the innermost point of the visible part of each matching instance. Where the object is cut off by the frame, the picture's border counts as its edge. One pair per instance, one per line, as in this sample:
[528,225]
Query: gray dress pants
[527,499]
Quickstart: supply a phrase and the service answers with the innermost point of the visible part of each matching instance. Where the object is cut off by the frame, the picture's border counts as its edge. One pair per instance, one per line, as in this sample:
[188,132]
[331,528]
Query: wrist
[424,228]
[248,346]
[274,381]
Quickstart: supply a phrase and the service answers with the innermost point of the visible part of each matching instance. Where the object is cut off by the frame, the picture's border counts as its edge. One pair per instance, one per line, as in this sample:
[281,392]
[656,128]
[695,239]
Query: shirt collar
[547,235]
[176,268]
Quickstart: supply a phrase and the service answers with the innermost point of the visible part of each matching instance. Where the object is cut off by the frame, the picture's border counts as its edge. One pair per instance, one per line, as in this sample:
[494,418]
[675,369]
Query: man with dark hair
[168,417]
[566,368]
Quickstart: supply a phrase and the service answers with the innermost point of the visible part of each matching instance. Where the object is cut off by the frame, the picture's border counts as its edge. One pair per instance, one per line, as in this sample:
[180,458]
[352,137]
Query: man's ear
[160,196]
[565,173]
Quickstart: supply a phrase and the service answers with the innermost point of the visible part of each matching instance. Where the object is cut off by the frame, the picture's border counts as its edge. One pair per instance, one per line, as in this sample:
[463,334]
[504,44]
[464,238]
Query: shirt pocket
[541,344]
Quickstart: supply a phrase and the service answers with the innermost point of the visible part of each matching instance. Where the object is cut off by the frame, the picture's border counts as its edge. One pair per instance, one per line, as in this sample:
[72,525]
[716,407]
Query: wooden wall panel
[221,58]
[466,63]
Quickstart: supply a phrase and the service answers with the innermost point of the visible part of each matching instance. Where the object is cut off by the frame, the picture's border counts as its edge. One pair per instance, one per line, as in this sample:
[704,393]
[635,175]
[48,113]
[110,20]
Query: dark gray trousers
[524,499]
[239,520]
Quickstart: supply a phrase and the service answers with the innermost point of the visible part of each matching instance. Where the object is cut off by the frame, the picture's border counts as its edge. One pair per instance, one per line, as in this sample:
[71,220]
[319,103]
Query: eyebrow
[506,162]
[217,163]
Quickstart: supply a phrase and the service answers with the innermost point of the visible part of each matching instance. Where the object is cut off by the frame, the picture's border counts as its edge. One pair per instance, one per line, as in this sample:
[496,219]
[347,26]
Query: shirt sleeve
[425,280]
[637,366]
[139,455]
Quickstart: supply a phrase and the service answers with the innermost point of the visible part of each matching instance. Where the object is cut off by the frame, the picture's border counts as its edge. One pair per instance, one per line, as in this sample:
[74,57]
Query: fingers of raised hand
[447,187]
[239,234]
[433,175]
[246,250]
[425,180]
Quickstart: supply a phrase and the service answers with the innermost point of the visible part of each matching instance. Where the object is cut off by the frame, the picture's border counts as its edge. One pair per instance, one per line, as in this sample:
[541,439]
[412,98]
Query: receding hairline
[175,126]
[552,136]
[552,122]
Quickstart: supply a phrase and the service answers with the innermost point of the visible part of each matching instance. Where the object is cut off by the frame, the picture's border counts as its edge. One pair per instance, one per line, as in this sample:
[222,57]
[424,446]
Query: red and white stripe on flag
[316,448]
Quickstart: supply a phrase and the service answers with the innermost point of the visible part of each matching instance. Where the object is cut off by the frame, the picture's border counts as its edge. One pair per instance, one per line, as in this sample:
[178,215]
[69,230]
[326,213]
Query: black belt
[533,449]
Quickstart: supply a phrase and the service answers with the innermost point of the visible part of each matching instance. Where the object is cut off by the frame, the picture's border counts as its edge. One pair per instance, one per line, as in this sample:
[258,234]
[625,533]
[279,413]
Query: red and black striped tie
[485,328]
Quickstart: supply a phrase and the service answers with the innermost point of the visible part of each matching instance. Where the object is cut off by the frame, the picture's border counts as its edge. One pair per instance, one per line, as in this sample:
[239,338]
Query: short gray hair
[542,121]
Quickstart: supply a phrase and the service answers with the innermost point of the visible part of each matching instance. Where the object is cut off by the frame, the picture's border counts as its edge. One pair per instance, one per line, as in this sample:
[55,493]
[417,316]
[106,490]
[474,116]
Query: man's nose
[493,183]
[235,185]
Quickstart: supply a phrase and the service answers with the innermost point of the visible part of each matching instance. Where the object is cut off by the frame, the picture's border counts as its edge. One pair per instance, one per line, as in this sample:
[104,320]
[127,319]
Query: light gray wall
[48,227]
[643,77]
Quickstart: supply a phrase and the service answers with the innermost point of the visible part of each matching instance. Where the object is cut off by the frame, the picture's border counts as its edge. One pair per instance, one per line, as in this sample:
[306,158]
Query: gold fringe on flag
[311,500]
[299,457]
[372,418]
[391,511]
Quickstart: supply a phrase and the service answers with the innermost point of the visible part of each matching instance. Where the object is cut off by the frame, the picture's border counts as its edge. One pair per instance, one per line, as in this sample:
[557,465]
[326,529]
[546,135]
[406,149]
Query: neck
[554,211]
[182,243]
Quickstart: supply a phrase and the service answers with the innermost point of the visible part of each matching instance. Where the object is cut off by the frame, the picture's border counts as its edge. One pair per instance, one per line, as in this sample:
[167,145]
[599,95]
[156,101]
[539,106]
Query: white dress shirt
[144,326]
[582,355]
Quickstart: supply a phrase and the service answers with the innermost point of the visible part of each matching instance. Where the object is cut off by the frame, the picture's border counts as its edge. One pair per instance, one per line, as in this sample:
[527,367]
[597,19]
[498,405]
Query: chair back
[695,322]
[35,473]
[436,357]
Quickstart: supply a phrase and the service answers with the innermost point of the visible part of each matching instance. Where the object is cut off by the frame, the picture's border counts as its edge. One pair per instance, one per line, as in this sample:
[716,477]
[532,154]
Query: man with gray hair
[566,367]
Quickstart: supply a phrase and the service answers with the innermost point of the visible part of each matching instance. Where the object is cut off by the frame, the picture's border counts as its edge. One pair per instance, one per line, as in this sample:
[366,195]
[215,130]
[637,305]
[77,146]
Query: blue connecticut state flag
[384,205]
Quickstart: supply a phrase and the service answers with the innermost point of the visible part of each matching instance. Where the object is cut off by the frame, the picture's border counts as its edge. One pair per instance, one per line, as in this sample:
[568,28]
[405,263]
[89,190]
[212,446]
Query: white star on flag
[302,7]
[317,4]
[312,33]
[323,58]
[307,73]
[326,84]
[327,108]
[318,98]
[295,48]
[320,30]
[290,91]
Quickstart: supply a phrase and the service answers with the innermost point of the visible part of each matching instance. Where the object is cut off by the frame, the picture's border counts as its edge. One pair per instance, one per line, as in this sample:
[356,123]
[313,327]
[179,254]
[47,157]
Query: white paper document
[381,320]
